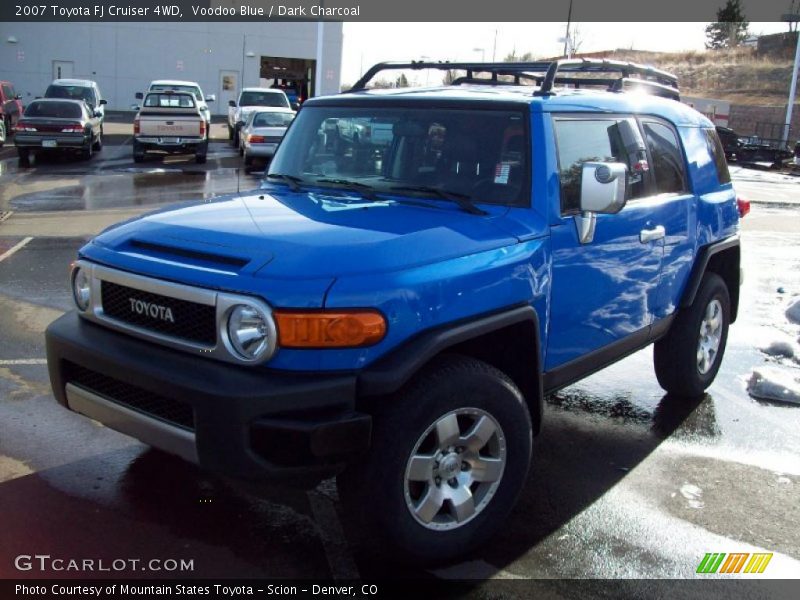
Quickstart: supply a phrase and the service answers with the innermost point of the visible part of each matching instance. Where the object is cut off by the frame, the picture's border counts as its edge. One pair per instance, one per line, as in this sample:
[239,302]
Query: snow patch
[779,385]
[793,313]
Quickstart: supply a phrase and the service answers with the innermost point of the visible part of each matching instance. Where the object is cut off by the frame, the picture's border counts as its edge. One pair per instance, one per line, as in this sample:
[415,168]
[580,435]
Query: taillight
[72,128]
[25,126]
[136,128]
[255,139]
[202,128]
[743,206]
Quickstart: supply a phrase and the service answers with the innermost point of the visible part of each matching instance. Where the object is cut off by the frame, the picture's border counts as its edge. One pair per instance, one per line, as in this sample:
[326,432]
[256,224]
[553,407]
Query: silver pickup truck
[170,122]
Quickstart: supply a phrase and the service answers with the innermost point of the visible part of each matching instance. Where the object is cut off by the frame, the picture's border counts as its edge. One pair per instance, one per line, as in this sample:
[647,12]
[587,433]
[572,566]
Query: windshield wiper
[464,202]
[365,190]
[292,181]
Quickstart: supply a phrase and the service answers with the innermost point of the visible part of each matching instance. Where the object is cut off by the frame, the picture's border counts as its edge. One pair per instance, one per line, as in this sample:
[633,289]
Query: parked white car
[250,100]
[262,133]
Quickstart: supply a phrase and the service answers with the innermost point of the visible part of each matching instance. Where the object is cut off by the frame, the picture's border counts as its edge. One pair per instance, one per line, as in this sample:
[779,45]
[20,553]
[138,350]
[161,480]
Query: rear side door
[672,208]
[604,291]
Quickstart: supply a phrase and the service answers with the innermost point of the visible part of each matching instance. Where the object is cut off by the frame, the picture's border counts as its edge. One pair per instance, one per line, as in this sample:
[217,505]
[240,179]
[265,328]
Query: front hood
[308,235]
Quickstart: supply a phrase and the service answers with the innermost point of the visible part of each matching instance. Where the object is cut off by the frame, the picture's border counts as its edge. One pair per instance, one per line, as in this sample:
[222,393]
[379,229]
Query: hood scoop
[200,258]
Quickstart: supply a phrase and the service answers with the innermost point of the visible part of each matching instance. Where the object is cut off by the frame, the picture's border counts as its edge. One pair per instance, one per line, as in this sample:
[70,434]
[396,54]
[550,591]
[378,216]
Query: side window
[665,151]
[718,154]
[8,92]
[597,140]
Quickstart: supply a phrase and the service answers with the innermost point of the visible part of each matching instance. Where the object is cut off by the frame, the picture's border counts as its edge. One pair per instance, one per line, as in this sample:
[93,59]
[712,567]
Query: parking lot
[626,482]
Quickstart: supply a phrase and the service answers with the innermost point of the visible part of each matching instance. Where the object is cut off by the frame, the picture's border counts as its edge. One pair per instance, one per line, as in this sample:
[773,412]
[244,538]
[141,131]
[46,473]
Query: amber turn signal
[329,328]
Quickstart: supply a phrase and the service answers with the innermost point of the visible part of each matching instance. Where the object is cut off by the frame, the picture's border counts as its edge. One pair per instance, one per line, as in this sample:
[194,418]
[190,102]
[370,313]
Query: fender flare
[391,372]
[701,265]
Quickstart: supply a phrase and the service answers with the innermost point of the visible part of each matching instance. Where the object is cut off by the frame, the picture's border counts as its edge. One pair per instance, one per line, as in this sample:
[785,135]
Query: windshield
[263,99]
[192,89]
[72,92]
[480,154]
[56,110]
[271,119]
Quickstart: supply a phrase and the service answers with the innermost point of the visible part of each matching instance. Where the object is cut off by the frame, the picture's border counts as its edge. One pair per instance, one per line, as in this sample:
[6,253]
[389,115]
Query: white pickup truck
[170,122]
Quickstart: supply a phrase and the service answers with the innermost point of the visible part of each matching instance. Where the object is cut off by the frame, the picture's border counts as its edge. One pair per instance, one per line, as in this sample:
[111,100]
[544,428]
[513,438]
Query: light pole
[791,18]
[566,35]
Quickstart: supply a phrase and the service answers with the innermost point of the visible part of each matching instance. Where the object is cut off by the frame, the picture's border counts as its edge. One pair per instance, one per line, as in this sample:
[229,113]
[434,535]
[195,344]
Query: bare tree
[574,40]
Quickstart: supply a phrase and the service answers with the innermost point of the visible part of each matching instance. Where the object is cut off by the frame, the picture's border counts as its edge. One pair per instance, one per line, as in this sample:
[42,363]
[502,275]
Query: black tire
[248,160]
[373,488]
[88,151]
[98,144]
[2,132]
[200,158]
[230,133]
[235,138]
[24,157]
[676,356]
[138,153]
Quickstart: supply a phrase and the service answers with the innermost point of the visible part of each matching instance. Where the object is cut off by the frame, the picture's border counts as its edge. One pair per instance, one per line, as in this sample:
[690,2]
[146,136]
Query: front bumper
[246,423]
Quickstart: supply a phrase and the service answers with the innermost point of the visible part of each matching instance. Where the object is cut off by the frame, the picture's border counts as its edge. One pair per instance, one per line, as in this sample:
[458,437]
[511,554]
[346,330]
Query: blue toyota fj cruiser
[394,312]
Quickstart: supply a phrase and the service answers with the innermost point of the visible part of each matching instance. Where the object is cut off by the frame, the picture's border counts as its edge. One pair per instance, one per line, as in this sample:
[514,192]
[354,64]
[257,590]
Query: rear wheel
[88,151]
[200,158]
[687,359]
[24,157]
[138,153]
[235,138]
[230,133]
[450,455]
[2,132]
[98,143]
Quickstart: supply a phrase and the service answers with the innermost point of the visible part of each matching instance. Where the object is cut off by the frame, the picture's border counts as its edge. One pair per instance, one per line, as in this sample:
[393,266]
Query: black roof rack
[546,74]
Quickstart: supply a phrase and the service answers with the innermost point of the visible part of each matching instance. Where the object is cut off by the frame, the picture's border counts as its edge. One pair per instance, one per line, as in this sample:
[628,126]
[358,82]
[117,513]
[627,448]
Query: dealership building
[124,57]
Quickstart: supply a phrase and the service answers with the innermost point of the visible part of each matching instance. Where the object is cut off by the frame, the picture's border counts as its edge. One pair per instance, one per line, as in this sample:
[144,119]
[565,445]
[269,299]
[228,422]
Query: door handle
[651,235]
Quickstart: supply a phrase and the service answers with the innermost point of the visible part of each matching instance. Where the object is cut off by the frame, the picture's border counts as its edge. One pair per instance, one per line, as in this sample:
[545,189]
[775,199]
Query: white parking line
[14,248]
[23,361]
[334,542]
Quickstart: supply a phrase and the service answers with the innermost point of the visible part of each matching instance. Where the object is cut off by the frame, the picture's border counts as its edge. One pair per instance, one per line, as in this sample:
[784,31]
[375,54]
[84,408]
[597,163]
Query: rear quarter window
[717,153]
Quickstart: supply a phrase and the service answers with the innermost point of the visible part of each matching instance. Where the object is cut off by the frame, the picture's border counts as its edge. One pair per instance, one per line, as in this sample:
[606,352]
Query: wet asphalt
[627,482]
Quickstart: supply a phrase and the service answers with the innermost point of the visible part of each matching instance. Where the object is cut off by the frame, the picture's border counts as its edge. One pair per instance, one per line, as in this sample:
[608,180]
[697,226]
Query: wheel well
[514,351]
[726,265]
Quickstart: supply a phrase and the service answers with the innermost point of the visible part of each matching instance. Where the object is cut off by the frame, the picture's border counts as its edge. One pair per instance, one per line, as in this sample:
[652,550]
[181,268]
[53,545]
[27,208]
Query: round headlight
[248,331]
[81,288]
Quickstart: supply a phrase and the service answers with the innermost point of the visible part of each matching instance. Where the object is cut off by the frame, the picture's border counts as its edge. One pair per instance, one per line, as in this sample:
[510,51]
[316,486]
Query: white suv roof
[173,82]
[80,82]
[260,89]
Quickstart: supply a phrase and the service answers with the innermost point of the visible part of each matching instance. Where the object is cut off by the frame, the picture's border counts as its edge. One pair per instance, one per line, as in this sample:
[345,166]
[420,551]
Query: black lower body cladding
[240,422]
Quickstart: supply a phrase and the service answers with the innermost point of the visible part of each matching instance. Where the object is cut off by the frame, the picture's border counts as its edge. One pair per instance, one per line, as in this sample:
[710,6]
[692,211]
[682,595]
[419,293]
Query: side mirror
[103,102]
[602,191]
[232,103]
[17,96]
[139,96]
[98,113]
[135,107]
[210,98]
[295,106]
[603,187]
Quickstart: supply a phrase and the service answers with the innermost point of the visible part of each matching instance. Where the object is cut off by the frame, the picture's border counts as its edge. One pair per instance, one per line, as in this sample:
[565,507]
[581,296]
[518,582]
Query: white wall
[124,57]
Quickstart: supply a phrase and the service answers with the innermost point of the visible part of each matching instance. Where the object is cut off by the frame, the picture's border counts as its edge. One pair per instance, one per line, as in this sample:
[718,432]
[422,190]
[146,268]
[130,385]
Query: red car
[10,110]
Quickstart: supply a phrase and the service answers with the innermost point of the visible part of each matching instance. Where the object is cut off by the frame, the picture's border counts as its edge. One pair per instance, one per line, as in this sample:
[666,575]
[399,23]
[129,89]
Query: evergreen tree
[730,28]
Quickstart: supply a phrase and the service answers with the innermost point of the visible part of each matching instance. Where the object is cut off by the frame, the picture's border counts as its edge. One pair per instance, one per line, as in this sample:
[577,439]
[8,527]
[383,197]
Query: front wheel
[450,455]
[687,359]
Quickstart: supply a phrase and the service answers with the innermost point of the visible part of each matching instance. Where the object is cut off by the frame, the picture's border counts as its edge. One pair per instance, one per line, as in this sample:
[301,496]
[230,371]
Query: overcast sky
[368,43]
